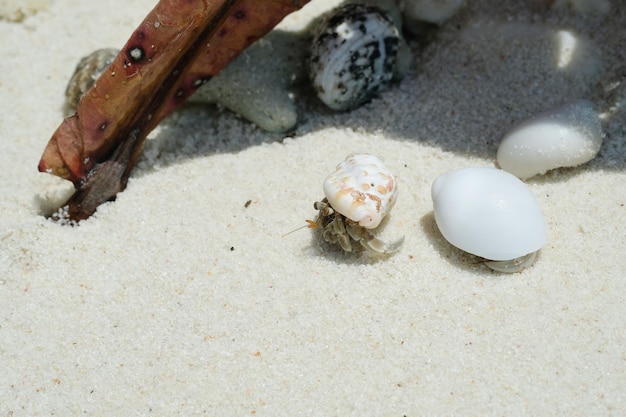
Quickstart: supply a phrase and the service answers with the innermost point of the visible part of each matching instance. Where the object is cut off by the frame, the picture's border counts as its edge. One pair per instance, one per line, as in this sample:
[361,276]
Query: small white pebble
[567,136]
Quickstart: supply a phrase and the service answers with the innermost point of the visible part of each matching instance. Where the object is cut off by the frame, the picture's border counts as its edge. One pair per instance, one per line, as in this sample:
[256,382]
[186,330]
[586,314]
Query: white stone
[567,136]
[489,213]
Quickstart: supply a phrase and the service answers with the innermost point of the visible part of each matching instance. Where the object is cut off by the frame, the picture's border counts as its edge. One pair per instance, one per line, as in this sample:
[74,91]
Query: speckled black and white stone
[353,55]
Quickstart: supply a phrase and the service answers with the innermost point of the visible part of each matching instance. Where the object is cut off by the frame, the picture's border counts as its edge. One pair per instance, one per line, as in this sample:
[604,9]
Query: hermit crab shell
[488,212]
[85,75]
[353,54]
[362,189]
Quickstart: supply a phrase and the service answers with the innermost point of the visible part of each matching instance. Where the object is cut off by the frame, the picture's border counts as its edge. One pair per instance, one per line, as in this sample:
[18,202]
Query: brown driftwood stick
[179,46]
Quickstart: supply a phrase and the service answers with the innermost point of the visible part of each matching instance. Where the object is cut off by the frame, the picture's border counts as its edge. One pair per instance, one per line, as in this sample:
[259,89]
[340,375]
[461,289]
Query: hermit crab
[359,194]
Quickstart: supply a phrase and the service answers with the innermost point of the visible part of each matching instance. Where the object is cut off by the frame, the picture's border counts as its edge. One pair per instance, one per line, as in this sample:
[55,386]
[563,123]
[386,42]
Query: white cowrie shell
[489,213]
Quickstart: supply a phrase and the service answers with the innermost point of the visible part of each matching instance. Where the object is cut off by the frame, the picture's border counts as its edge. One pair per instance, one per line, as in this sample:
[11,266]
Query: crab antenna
[311,224]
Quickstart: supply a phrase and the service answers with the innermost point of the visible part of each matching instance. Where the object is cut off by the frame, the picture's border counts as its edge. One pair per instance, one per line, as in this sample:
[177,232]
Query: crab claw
[372,243]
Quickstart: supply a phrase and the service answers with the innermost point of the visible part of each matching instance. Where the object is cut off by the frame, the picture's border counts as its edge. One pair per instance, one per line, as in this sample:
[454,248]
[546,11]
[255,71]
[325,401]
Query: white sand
[178,300]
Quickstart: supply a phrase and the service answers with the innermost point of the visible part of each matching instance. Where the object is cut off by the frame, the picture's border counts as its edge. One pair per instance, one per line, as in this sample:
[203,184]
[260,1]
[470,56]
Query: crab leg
[179,46]
[371,242]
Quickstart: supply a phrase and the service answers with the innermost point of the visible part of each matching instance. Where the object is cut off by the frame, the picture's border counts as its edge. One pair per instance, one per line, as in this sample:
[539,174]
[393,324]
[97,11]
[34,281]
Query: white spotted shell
[488,212]
[353,55]
[362,189]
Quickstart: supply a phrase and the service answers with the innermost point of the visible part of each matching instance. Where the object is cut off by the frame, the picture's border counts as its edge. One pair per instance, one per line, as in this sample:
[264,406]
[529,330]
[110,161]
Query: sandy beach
[185,297]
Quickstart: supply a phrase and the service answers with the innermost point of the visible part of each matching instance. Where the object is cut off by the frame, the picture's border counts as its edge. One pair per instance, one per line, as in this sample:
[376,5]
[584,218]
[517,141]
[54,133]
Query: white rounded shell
[353,55]
[563,137]
[488,212]
[362,189]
